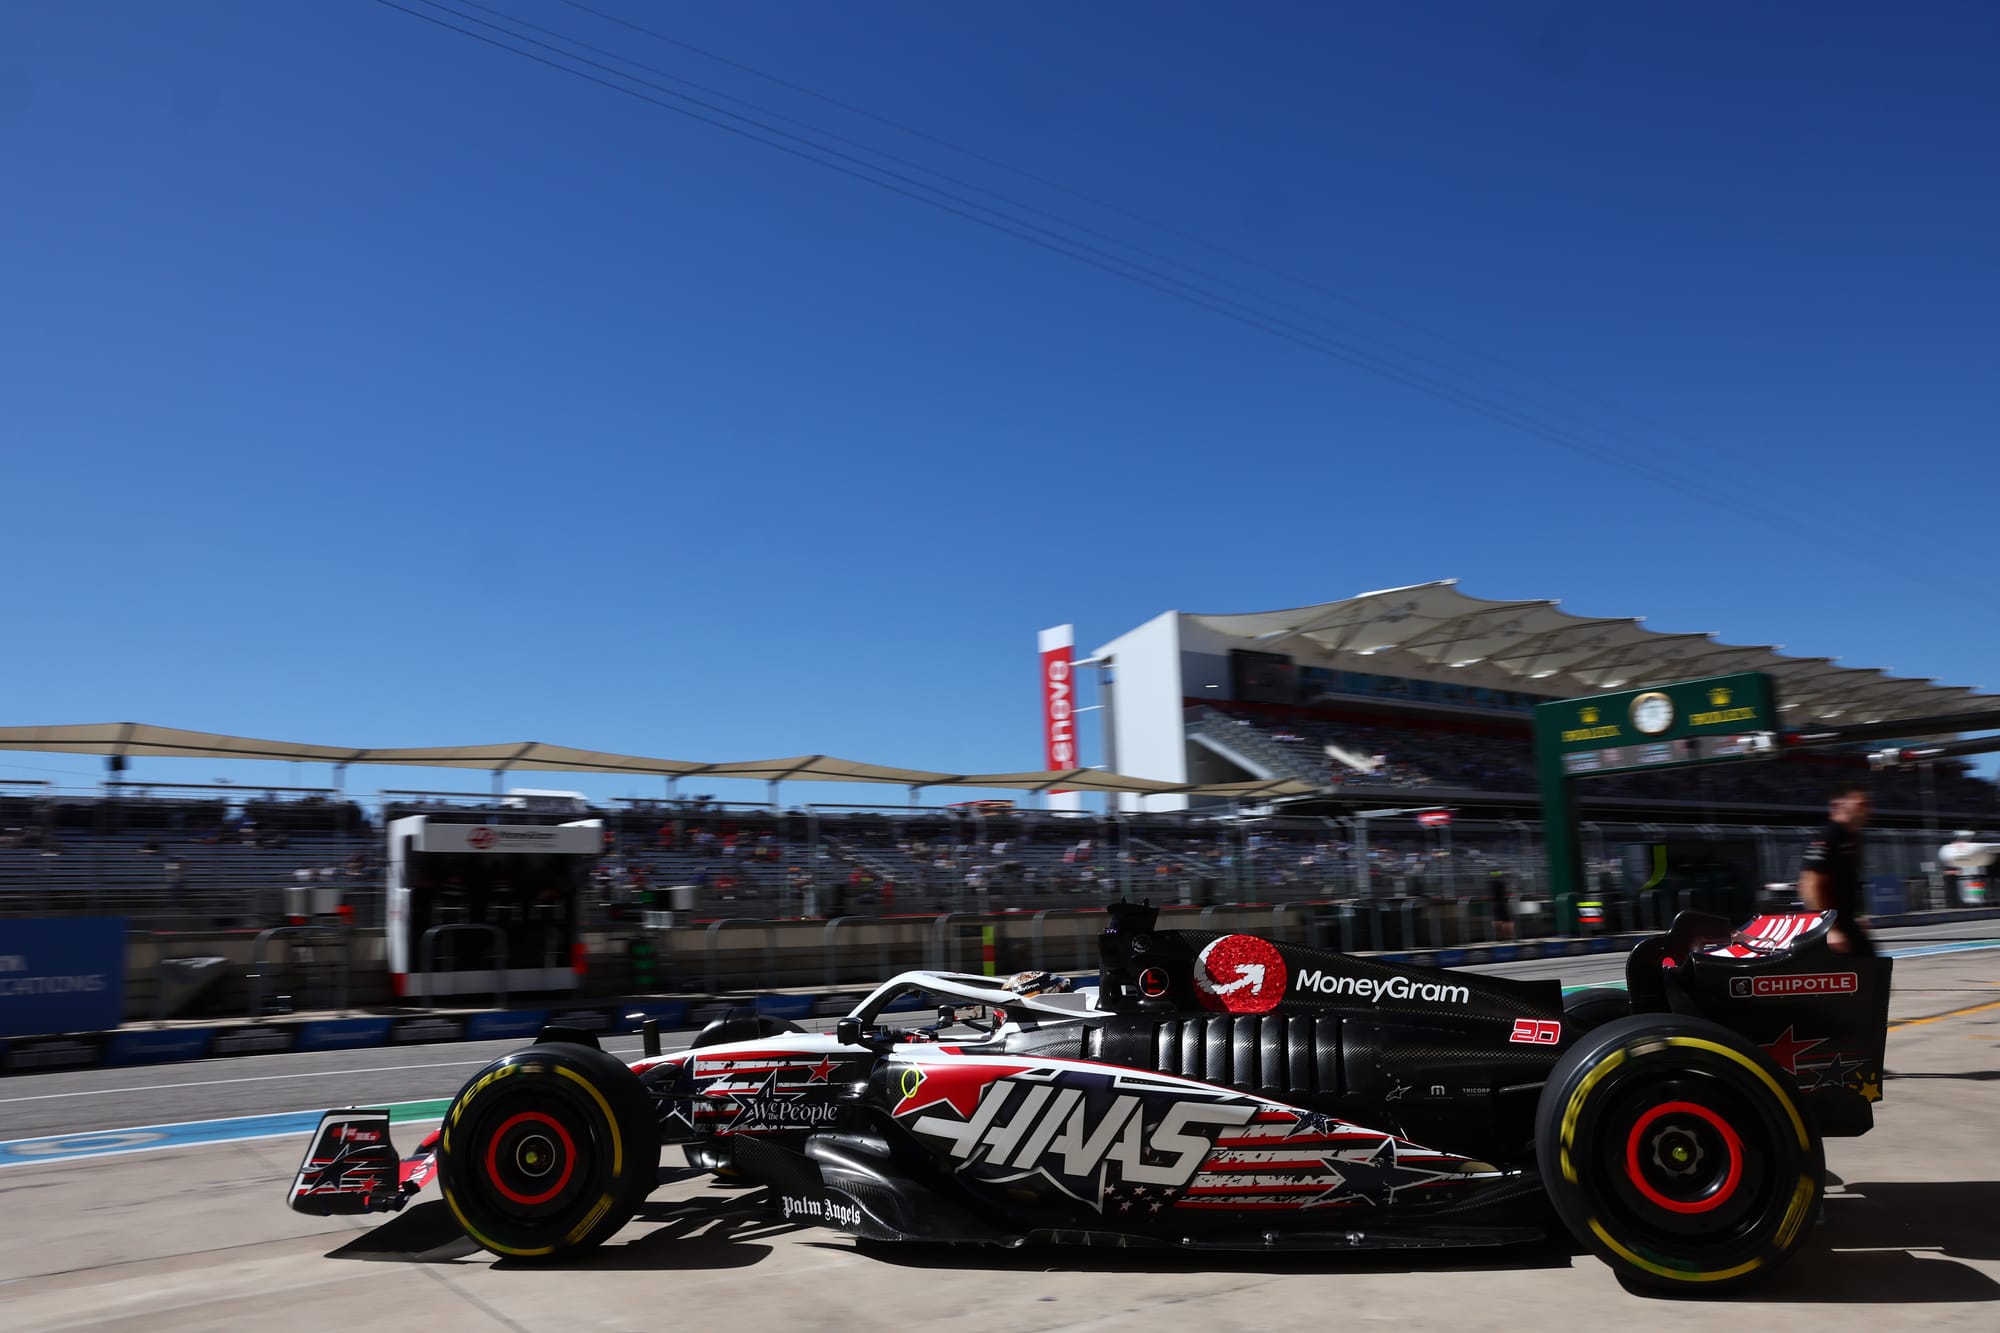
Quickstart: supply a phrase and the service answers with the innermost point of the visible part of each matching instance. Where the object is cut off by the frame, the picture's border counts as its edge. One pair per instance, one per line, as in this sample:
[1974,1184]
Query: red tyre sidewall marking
[1729,1137]
[493,1163]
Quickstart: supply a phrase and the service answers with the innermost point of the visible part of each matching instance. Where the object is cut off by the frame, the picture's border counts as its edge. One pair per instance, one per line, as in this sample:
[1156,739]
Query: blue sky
[363,384]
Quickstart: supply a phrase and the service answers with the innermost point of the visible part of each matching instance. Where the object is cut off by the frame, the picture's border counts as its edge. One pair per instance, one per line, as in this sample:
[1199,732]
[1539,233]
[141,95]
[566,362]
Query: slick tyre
[1676,1152]
[547,1151]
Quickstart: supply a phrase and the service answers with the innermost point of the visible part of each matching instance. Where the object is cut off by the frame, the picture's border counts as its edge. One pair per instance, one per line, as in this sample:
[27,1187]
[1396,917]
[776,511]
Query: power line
[1165,228]
[1083,252]
[1070,247]
[1035,210]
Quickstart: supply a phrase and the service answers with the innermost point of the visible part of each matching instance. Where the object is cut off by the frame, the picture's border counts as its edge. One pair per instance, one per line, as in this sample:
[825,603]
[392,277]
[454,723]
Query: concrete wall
[1146,707]
[740,957]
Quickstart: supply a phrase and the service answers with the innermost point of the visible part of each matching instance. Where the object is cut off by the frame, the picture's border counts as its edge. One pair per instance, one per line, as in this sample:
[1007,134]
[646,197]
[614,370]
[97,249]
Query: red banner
[1059,750]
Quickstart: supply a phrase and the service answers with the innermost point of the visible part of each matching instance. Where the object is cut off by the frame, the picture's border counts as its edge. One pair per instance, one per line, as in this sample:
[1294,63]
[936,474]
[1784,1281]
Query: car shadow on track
[1546,1254]
[1893,1243]
[1881,1244]
[699,1233]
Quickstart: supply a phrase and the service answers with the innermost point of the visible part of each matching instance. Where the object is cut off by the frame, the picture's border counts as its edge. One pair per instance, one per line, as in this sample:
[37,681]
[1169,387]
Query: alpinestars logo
[1377,989]
[1085,1133]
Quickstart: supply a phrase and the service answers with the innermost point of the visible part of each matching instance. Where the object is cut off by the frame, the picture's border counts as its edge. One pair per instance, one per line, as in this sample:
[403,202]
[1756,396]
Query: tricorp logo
[1799,983]
[1240,974]
[481,838]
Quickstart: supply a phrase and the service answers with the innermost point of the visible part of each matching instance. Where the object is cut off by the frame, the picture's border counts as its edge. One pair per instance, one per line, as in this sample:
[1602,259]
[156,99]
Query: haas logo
[1240,974]
[481,838]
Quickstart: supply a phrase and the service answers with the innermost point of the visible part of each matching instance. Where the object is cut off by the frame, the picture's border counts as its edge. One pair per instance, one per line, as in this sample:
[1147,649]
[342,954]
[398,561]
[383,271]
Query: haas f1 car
[1212,1091]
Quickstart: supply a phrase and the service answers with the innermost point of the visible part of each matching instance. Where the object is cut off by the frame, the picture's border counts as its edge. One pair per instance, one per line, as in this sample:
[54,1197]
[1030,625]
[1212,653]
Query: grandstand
[1257,752]
[1425,690]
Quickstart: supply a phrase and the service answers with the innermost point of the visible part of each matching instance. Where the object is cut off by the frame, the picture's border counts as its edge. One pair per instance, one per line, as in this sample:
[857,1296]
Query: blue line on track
[146,1138]
[1924,951]
[99,1143]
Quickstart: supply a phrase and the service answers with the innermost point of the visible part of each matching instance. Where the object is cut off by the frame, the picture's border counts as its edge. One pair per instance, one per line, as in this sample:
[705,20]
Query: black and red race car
[1210,1092]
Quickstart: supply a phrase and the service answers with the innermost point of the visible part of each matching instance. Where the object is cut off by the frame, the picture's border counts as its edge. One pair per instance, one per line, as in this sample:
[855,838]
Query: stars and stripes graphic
[1348,1167]
[1767,935]
[753,1092]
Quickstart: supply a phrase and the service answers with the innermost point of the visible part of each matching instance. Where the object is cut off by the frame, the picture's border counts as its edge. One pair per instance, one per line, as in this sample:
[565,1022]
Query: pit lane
[198,1237]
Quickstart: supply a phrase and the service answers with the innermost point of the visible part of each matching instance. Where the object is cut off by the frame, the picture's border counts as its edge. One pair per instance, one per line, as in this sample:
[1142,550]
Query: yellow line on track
[1939,1018]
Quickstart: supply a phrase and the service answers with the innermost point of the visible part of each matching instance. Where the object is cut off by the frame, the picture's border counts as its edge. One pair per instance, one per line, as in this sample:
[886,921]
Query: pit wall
[793,970]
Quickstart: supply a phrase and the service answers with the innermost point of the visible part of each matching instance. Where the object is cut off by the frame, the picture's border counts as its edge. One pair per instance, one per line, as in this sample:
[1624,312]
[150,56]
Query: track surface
[198,1237]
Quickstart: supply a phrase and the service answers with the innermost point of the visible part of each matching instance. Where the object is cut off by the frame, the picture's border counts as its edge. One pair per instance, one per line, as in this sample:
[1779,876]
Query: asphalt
[198,1237]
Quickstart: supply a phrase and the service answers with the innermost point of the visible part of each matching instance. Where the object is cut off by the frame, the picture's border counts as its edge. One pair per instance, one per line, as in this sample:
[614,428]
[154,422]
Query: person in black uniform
[1830,879]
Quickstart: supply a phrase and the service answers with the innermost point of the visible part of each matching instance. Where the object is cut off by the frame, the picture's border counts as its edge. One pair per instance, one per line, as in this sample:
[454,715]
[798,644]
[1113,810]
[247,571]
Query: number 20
[1536,1032]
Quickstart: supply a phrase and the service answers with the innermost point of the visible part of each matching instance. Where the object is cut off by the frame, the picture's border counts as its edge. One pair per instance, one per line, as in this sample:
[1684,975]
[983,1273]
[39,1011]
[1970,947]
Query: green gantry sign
[1660,726]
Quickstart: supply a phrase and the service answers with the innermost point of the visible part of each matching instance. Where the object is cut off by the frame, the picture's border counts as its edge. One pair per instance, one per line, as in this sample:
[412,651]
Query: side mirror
[848,1032]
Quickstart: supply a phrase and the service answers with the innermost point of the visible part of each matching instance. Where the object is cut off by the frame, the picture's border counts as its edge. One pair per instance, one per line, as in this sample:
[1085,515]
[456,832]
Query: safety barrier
[258,1036]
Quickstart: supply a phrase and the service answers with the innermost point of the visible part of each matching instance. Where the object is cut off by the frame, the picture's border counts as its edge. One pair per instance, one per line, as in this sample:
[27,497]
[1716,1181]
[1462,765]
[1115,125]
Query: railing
[948,937]
[1315,934]
[714,931]
[1251,741]
[259,962]
[829,946]
[427,956]
[1084,941]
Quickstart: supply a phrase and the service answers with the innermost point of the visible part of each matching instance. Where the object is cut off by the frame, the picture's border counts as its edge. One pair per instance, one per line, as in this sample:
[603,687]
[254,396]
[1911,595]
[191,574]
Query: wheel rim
[1683,1157]
[530,1151]
[535,1153]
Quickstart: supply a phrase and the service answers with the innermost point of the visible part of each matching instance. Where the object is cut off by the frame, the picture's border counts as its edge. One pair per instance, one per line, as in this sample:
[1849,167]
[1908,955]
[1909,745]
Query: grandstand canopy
[1434,631]
[136,739]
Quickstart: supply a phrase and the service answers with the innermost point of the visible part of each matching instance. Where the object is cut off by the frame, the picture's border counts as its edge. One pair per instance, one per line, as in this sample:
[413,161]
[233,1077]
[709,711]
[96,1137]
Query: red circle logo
[1153,982]
[481,838]
[1240,974]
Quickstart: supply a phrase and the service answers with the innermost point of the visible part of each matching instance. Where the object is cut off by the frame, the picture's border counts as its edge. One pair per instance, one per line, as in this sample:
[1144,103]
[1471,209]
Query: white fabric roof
[141,739]
[1432,631]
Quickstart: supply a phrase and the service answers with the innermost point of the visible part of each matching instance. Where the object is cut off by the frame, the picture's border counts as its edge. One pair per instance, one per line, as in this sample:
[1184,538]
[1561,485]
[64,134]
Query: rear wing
[1822,1017]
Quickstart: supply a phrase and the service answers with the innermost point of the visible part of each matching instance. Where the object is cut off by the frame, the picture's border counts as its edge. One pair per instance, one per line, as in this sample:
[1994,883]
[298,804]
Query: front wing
[353,1167]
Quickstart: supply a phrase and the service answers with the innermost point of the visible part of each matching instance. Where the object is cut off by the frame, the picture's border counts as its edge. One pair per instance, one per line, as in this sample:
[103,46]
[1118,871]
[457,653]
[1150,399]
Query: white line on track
[256,1078]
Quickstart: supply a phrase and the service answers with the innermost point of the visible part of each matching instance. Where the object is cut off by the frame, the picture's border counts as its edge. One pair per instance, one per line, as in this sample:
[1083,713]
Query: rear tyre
[1587,1010]
[1676,1152]
[547,1151]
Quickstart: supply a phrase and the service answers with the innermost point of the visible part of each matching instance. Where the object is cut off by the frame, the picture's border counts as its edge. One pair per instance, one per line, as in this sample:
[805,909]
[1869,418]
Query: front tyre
[547,1151]
[1676,1152]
